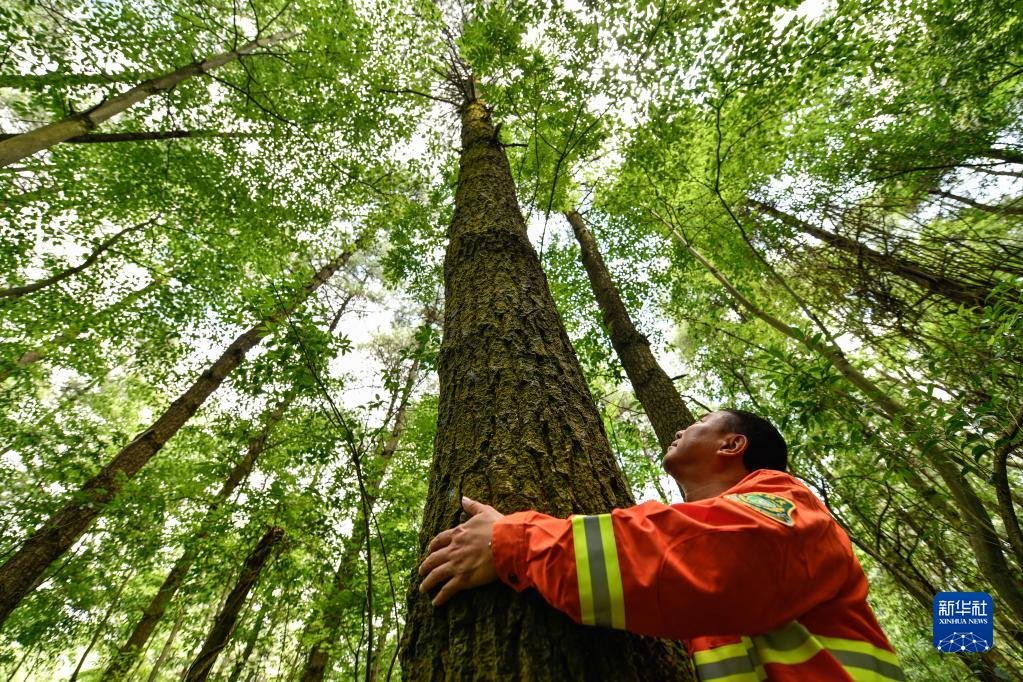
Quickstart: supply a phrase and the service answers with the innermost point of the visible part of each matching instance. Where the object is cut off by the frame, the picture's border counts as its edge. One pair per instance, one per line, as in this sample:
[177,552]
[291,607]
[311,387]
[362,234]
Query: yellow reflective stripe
[790,645]
[863,661]
[582,569]
[794,645]
[720,653]
[859,647]
[616,593]
[738,662]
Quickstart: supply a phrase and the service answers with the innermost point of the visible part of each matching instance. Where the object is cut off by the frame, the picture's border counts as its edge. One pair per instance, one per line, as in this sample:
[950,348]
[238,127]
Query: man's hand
[460,558]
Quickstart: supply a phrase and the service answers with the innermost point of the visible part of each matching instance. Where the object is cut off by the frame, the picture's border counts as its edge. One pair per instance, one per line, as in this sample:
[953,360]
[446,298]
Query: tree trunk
[26,566]
[970,295]
[165,652]
[981,533]
[114,603]
[101,248]
[9,367]
[655,391]
[987,208]
[28,143]
[223,626]
[141,136]
[250,645]
[318,659]
[153,612]
[517,428]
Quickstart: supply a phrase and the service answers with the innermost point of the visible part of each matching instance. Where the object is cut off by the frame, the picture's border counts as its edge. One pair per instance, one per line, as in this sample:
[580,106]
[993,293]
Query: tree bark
[154,611]
[517,428]
[970,295]
[661,401]
[28,143]
[26,566]
[223,626]
[101,248]
[142,136]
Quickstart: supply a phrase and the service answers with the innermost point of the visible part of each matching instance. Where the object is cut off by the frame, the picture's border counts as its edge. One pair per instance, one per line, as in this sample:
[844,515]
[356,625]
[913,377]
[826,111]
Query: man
[751,571]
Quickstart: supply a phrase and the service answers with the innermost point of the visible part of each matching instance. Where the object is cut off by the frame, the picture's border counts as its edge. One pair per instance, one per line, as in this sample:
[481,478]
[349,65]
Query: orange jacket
[760,580]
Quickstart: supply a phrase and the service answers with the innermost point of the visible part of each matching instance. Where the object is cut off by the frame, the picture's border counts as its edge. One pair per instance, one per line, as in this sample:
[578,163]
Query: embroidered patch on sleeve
[773,506]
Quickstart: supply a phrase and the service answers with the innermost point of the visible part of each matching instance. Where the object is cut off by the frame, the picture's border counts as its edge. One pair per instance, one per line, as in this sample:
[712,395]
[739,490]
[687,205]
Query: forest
[280,280]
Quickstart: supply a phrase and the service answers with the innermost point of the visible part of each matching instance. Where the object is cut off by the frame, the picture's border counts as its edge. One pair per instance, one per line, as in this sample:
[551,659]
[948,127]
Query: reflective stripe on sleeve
[793,645]
[601,598]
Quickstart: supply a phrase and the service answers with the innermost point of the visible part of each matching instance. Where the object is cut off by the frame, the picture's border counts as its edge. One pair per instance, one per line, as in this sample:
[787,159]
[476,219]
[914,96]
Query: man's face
[695,447]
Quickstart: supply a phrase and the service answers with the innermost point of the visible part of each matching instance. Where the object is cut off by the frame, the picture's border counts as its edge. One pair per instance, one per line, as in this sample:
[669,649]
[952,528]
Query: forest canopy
[237,269]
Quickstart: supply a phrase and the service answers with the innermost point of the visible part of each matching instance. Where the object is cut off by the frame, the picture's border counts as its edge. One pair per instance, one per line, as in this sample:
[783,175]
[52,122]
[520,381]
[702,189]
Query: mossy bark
[654,389]
[517,428]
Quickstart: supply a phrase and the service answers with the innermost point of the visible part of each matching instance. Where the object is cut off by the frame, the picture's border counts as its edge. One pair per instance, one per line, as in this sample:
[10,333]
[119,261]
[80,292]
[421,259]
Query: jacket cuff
[508,544]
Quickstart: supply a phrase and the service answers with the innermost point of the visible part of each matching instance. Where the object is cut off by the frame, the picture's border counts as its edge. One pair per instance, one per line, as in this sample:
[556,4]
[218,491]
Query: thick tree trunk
[517,428]
[28,143]
[325,626]
[654,389]
[26,566]
[153,612]
[101,248]
[223,626]
[969,295]
[143,136]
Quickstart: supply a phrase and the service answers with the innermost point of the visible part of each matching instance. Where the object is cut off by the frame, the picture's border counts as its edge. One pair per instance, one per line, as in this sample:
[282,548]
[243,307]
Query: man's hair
[767,448]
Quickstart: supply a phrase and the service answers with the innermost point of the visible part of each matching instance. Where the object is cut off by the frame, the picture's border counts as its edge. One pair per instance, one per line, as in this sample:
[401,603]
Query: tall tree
[28,143]
[517,427]
[220,633]
[153,612]
[664,406]
[23,570]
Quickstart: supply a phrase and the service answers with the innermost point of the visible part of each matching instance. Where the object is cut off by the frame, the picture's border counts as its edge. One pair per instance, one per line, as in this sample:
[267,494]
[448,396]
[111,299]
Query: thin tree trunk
[142,136]
[60,531]
[114,603]
[32,81]
[33,356]
[378,650]
[517,428]
[1003,489]
[167,646]
[223,626]
[153,612]
[101,248]
[318,659]
[982,535]
[970,295]
[987,208]
[1008,155]
[250,645]
[28,143]
[661,401]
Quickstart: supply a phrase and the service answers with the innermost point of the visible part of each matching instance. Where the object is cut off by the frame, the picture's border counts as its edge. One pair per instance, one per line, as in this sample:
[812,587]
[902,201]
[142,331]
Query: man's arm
[717,566]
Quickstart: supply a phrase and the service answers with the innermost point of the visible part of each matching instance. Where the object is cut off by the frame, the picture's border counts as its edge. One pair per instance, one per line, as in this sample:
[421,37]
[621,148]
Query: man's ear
[735,445]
